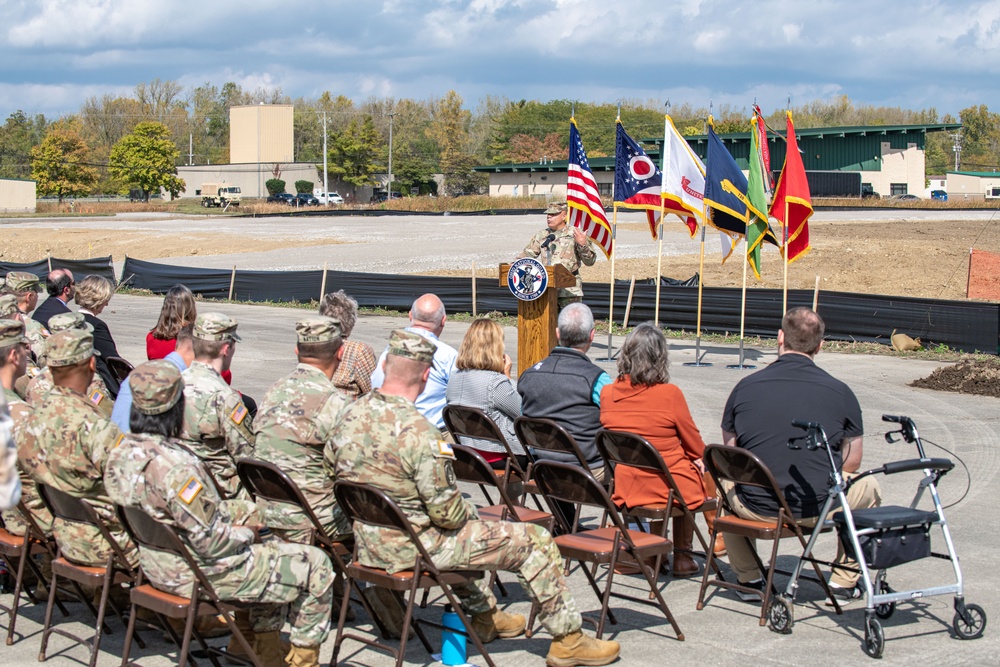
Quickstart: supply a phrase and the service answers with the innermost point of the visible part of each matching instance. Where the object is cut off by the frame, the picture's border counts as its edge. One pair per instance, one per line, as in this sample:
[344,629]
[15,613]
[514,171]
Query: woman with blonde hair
[482,380]
[93,294]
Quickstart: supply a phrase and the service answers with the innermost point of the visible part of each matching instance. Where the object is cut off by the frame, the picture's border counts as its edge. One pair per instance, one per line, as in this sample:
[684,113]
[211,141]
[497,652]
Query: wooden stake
[816,294]
[232,283]
[473,289]
[628,303]
[968,281]
[322,285]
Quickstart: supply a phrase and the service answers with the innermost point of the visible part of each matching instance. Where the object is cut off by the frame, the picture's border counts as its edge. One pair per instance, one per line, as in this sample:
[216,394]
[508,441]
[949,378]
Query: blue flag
[725,188]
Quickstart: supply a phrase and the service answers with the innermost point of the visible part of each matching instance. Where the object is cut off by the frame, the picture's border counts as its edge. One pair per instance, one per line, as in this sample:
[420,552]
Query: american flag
[582,197]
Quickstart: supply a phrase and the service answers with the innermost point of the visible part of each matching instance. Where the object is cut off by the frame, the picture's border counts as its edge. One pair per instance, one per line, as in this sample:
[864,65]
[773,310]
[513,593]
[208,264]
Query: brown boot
[719,547]
[684,564]
[577,648]
[302,656]
[496,623]
[390,609]
[210,627]
[269,648]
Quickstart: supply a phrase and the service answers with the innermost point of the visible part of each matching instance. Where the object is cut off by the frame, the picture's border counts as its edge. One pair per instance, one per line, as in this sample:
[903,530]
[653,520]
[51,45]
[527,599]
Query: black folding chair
[119,368]
[466,422]
[368,505]
[151,534]
[116,571]
[570,483]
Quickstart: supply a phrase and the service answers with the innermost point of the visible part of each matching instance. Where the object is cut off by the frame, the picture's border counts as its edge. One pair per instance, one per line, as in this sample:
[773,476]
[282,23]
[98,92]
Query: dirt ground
[966,377]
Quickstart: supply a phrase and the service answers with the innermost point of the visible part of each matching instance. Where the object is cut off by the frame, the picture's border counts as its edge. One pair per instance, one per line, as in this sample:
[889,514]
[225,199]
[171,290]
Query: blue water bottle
[452,638]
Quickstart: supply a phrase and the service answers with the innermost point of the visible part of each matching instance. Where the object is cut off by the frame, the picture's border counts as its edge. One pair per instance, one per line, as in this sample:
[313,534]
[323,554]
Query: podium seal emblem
[527,279]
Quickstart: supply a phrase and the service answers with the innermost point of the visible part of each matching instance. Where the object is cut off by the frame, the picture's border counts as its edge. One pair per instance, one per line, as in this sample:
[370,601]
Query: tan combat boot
[496,623]
[234,648]
[269,648]
[390,608]
[577,648]
[303,656]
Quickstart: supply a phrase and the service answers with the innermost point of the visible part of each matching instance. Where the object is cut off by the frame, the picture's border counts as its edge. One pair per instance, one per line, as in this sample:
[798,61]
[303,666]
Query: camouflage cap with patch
[215,326]
[156,386]
[21,281]
[11,333]
[8,305]
[69,347]
[411,346]
[555,207]
[317,329]
[64,321]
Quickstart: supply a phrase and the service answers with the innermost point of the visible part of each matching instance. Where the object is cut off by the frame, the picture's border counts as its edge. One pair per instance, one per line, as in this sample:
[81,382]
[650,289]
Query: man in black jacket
[61,288]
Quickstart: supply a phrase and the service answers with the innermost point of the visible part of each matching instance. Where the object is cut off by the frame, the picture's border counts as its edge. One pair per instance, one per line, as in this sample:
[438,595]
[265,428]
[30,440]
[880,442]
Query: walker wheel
[874,639]
[779,615]
[971,628]
[886,609]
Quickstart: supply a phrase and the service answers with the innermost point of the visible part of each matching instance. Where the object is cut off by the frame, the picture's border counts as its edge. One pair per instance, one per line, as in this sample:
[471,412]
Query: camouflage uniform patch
[97,393]
[562,250]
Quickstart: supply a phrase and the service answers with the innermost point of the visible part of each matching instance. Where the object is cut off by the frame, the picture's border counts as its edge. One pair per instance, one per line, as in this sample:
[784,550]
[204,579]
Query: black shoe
[845,596]
[757,585]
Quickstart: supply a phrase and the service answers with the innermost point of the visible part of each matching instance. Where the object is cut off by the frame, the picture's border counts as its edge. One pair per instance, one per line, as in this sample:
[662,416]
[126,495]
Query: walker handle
[893,467]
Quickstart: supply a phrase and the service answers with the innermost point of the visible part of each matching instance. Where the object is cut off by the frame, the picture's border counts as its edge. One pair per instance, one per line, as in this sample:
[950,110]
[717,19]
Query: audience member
[642,401]
[482,380]
[758,417]
[178,310]
[93,294]
[427,318]
[181,356]
[357,361]
[26,287]
[61,288]
[14,353]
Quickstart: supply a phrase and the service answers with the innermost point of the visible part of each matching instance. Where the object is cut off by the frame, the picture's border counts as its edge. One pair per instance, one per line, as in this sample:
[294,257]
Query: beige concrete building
[17,196]
[250,178]
[261,133]
[973,185]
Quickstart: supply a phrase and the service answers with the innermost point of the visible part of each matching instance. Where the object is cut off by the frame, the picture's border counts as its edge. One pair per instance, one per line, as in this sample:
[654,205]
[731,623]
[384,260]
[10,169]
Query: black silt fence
[100,266]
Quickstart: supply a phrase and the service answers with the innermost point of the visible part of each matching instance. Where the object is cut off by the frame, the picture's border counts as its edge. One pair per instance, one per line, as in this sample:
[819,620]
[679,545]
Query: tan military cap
[69,347]
[8,305]
[215,326]
[156,386]
[11,333]
[64,321]
[21,281]
[411,346]
[555,207]
[317,329]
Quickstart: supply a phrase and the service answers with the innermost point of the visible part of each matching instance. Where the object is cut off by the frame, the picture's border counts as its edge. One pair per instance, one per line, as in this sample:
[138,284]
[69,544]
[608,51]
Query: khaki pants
[864,494]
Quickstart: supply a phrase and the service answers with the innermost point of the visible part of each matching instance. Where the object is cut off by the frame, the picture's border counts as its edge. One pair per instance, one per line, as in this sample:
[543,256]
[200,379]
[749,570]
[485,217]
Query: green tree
[303,186]
[18,135]
[147,159]
[352,153]
[980,138]
[59,163]
[274,186]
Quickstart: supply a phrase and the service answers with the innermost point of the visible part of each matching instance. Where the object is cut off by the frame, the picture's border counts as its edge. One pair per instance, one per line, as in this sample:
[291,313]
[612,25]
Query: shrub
[303,186]
[274,186]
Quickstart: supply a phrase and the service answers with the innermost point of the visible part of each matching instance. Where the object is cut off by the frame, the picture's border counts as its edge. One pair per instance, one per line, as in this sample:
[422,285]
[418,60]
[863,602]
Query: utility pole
[388,186]
[957,147]
[190,148]
[326,183]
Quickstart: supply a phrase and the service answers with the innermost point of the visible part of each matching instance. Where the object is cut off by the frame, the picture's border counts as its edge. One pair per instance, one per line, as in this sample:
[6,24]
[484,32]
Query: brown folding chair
[634,451]
[573,484]
[269,482]
[366,504]
[115,572]
[119,368]
[153,535]
[18,552]
[740,466]
[466,422]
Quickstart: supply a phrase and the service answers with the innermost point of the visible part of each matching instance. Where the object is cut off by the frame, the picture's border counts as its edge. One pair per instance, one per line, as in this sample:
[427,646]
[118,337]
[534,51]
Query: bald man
[427,318]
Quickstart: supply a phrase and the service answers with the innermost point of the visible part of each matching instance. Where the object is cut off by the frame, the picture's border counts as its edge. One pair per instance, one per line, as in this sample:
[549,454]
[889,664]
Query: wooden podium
[536,320]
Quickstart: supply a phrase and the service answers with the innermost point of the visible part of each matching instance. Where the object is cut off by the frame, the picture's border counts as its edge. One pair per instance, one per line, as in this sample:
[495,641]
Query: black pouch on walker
[901,535]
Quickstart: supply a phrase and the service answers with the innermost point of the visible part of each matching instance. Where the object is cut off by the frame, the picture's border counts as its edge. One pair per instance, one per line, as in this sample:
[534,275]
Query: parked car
[281,198]
[940,195]
[331,197]
[905,198]
[380,197]
[304,199]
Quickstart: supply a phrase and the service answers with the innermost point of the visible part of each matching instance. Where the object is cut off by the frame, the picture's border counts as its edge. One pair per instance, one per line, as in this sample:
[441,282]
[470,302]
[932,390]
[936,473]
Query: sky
[915,53]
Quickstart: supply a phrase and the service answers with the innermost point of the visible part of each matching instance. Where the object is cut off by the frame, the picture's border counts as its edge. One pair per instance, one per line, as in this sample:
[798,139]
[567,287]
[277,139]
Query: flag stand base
[741,366]
[697,355]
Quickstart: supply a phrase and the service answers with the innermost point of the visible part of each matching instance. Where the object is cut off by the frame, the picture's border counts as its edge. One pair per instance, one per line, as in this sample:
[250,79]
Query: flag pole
[659,266]
[701,272]
[784,289]
[743,304]
[611,306]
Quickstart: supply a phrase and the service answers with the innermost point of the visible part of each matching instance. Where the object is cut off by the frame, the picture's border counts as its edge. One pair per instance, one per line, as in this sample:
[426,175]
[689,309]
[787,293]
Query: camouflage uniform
[9,311]
[20,411]
[10,483]
[382,440]
[170,484]
[217,427]
[34,331]
[562,250]
[66,444]
[294,422]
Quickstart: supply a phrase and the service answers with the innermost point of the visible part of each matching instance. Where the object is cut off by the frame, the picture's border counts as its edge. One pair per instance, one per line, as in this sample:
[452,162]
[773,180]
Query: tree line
[116,143]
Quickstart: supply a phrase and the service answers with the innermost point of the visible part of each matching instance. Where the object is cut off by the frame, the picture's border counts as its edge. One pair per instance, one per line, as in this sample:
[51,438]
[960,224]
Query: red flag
[792,205]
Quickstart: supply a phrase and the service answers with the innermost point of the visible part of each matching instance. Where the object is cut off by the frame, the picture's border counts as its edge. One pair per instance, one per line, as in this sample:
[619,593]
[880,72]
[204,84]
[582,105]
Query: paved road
[725,632]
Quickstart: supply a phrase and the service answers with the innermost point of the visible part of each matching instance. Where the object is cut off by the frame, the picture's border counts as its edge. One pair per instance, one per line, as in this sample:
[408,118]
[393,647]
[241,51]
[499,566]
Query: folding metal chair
[116,571]
[18,552]
[634,451]
[151,534]
[740,466]
[570,483]
[366,504]
[119,368]
[467,422]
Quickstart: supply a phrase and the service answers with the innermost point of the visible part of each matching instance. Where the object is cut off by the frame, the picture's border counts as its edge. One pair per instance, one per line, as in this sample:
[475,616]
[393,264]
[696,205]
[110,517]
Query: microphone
[548,241]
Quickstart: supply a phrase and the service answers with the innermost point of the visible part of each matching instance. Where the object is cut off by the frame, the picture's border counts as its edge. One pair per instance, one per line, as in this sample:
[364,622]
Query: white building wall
[967,186]
[17,196]
[251,177]
[547,185]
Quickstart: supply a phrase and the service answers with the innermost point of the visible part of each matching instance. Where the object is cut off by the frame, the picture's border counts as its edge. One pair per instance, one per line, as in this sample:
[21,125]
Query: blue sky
[916,54]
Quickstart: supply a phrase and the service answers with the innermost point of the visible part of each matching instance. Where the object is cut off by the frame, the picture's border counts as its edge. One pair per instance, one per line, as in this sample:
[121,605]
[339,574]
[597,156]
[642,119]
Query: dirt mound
[965,377]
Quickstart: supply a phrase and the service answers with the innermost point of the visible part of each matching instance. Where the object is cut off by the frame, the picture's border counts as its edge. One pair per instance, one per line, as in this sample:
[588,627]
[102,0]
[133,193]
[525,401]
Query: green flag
[757,227]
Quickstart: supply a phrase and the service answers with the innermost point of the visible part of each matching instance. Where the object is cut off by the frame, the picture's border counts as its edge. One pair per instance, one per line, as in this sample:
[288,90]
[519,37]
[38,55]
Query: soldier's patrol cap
[8,305]
[317,329]
[215,326]
[156,386]
[11,333]
[413,346]
[64,321]
[555,207]
[21,281]
[69,347]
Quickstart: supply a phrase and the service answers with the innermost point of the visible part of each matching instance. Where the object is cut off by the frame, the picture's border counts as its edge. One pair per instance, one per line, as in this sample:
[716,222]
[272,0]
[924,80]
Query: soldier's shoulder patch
[118,442]
[33,372]
[190,490]
[96,397]
[45,331]
[239,413]
[444,449]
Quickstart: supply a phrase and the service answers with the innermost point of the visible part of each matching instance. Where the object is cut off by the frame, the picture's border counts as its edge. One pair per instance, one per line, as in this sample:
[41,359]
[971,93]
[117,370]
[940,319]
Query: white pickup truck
[329,197]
